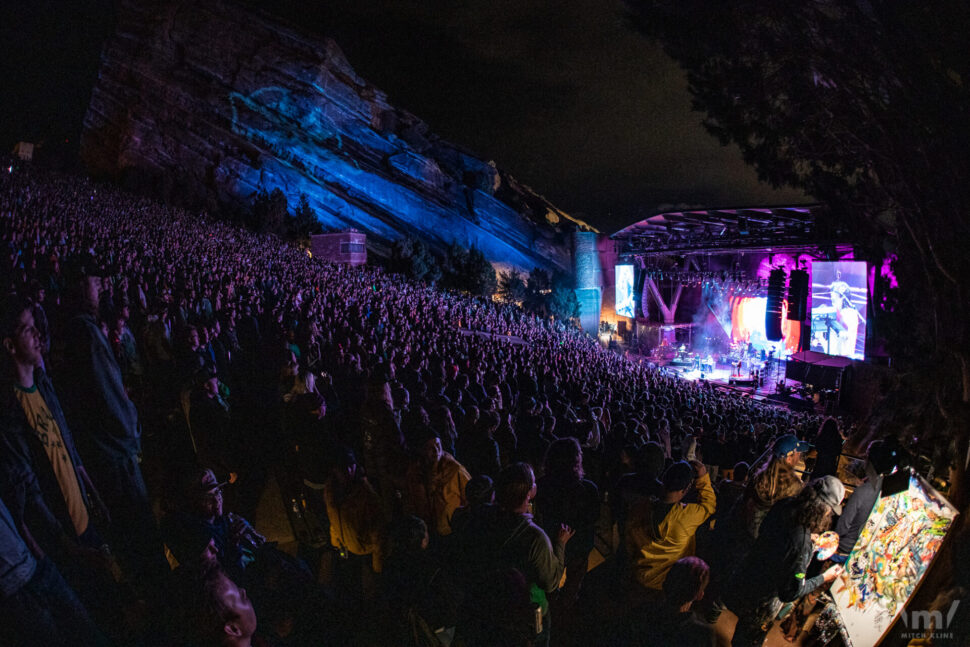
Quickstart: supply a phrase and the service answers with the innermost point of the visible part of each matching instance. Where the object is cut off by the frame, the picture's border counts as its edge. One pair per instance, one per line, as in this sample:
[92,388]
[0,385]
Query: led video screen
[747,320]
[839,297]
[625,299]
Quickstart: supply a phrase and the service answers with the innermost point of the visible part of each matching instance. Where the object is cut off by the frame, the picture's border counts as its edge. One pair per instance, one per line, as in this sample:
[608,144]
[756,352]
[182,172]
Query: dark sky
[561,93]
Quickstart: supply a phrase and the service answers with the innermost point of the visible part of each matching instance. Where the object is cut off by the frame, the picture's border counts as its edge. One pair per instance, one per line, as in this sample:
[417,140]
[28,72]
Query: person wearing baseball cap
[790,448]
[201,513]
[661,531]
[773,481]
[204,482]
[106,426]
[774,570]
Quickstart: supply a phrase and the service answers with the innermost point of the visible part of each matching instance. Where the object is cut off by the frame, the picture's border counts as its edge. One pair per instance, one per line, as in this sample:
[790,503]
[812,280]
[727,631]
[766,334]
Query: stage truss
[731,230]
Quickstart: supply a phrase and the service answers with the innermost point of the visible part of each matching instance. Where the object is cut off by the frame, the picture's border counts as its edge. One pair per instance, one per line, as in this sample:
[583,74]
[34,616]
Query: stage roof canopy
[723,231]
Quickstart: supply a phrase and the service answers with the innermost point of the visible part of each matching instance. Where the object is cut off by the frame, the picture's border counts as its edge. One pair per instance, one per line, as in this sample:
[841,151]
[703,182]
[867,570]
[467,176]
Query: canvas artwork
[898,543]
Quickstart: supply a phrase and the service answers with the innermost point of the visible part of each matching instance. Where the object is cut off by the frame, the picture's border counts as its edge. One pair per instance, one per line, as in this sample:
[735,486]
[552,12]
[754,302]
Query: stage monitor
[839,297]
[625,297]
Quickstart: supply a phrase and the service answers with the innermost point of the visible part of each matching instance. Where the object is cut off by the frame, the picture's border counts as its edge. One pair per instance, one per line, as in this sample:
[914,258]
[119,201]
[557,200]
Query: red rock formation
[208,102]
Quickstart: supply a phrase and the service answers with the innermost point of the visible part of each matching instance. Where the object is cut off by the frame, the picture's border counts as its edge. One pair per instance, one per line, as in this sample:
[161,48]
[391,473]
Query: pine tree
[511,287]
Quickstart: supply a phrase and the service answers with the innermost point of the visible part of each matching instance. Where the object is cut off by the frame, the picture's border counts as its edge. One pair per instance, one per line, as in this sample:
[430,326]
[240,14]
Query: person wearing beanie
[661,530]
[774,570]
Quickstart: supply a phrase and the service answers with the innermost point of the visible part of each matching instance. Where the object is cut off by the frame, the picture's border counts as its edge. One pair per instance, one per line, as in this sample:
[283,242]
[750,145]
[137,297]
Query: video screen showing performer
[625,297]
[839,298]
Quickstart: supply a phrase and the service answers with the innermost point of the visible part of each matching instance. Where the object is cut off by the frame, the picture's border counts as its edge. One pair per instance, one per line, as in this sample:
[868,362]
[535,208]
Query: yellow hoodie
[356,520]
[653,557]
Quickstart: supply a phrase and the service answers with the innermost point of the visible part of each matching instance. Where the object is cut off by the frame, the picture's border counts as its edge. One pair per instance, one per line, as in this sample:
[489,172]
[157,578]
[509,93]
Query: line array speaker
[776,295]
[797,295]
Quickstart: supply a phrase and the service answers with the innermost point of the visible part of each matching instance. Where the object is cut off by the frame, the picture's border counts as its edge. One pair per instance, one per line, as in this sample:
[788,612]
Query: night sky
[561,93]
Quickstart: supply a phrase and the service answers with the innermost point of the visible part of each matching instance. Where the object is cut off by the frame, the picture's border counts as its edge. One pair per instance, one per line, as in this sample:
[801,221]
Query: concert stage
[724,375]
[744,289]
[765,390]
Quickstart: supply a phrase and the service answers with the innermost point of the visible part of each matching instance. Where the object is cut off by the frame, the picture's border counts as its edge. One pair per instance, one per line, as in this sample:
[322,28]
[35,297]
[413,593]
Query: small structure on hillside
[24,150]
[348,247]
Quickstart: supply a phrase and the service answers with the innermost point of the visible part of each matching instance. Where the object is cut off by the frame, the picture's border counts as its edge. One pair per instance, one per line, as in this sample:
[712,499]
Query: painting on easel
[900,540]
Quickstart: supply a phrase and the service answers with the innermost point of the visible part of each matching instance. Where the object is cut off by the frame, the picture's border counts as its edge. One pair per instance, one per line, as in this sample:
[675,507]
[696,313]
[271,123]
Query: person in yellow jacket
[661,530]
[435,484]
[355,511]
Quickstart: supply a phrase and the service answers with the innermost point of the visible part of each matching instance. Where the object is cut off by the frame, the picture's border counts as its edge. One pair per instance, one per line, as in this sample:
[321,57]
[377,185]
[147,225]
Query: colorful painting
[826,545]
[900,540]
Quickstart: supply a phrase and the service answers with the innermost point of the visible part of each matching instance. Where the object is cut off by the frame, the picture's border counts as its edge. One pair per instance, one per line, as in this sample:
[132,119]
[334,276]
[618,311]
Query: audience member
[513,542]
[774,570]
[199,513]
[40,469]
[662,530]
[159,326]
[672,622]
[224,614]
[435,485]
[37,607]
[882,459]
[773,480]
[106,426]
[357,528]
[565,498]
[828,449]
[416,587]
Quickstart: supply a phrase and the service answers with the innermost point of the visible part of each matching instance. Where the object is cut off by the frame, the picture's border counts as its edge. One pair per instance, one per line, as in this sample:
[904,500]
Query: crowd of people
[162,368]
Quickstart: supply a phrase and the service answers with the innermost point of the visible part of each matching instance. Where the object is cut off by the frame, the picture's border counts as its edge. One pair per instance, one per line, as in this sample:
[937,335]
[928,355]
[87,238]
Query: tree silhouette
[468,270]
[563,303]
[511,287]
[303,223]
[413,258]
[269,211]
[865,106]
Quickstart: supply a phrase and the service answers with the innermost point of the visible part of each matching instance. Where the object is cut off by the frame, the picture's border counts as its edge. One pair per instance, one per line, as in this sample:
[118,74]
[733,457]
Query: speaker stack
[776,295]
[797,295]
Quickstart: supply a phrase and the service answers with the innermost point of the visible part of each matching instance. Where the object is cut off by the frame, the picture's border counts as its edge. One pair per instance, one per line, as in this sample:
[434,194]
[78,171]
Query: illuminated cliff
[205,103]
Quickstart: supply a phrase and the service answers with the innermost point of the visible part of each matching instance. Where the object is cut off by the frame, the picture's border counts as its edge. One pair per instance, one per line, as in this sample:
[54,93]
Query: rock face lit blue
[215,103]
